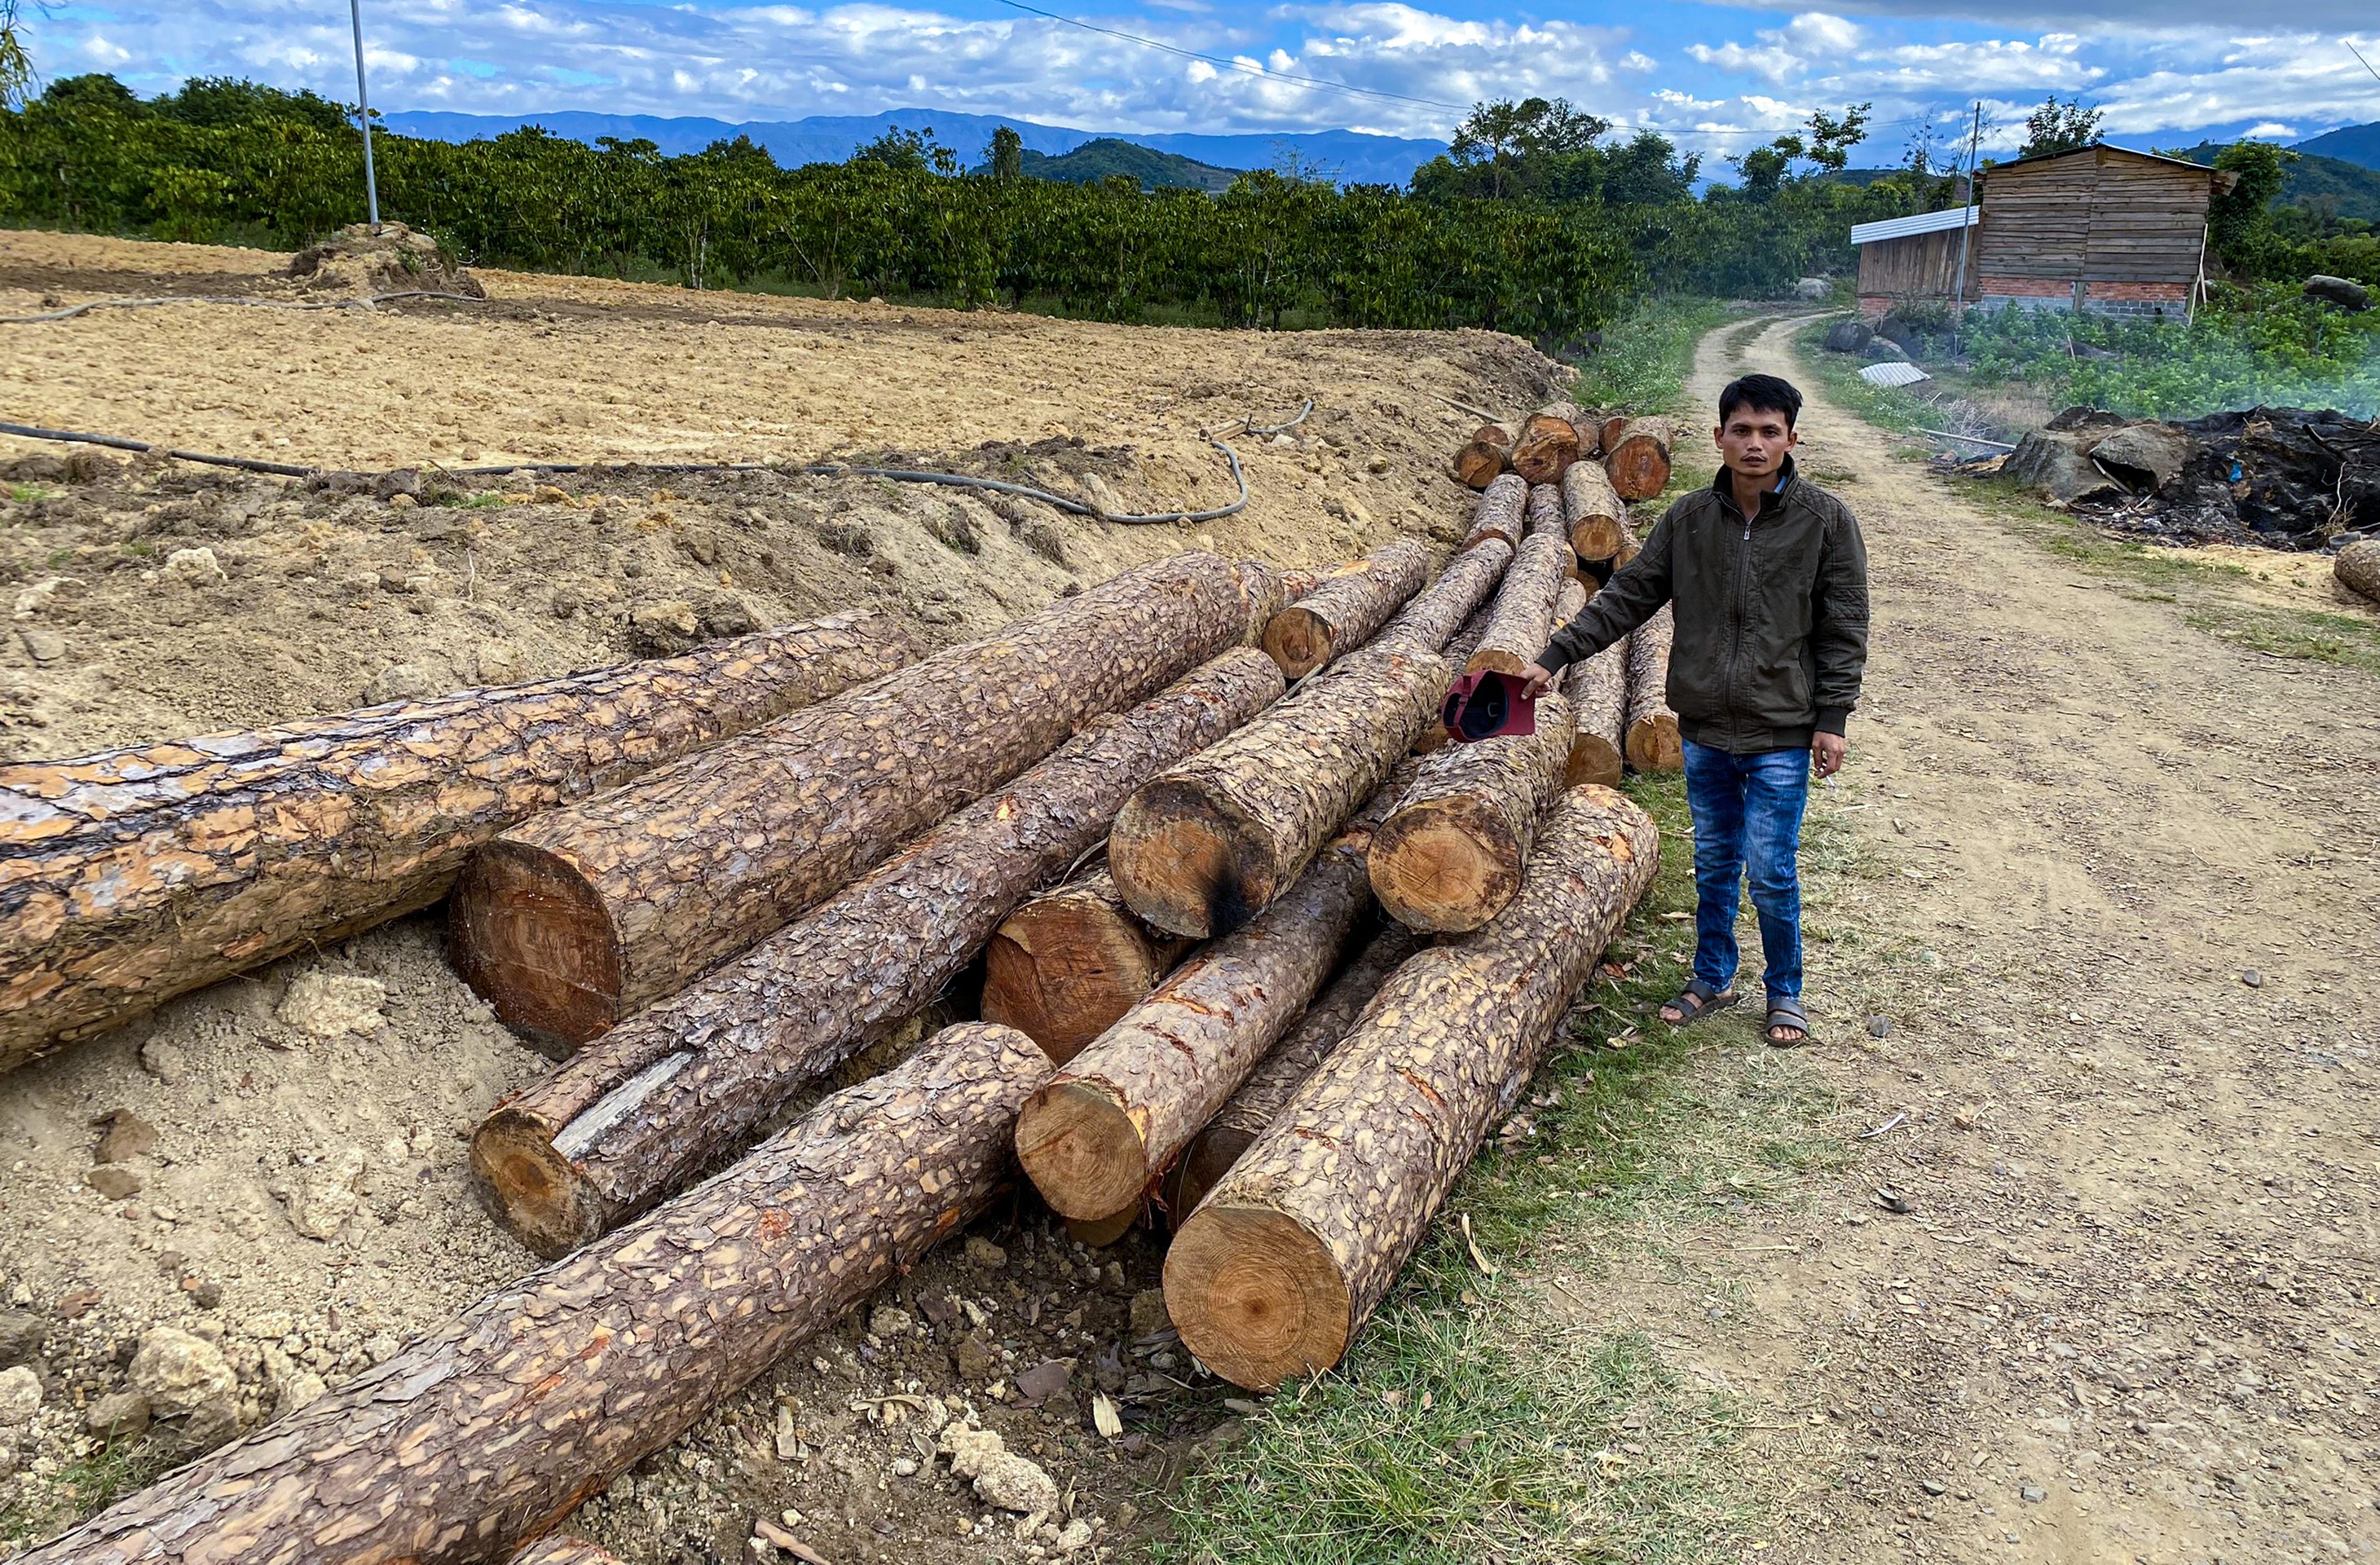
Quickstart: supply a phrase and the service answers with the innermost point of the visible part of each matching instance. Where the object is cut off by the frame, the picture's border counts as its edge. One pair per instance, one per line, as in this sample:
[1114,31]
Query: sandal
[1785,1014]
[1696,1001]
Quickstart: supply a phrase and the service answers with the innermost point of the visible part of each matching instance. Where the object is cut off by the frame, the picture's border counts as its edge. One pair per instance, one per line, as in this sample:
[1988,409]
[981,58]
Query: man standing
[1768,579]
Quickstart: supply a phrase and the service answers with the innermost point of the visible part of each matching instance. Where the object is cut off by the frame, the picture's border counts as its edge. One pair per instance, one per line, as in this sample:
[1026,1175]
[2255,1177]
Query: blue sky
[1718,79]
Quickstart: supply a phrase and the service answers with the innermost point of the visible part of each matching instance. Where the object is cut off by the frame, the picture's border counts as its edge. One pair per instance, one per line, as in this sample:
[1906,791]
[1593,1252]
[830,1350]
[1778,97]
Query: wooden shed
[2099,228]
[1915,259]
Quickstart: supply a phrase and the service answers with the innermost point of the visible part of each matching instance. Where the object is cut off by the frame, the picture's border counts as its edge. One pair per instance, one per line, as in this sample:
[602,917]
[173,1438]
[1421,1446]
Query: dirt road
[2116,931]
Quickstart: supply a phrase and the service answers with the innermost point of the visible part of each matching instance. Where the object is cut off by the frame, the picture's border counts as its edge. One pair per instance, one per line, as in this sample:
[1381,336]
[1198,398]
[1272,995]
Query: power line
[2359,55]
[1241,65]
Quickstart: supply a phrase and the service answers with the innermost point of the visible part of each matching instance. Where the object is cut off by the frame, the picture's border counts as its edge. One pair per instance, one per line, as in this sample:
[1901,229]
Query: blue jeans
[1747,814]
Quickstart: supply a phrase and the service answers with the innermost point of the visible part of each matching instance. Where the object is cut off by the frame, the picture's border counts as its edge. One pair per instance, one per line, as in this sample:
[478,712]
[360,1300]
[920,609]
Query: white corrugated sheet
[1924,222]
[1893,375]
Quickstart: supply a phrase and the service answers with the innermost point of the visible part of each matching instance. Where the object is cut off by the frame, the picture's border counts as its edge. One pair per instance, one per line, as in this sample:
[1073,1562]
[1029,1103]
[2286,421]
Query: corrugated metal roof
[1893,375]
[1901,227]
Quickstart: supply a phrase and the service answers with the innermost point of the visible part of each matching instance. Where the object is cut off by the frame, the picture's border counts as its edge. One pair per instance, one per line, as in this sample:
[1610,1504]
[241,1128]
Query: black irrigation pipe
[815,469]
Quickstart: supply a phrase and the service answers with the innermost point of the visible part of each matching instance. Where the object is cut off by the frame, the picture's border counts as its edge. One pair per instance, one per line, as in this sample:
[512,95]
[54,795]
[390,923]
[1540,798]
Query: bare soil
[2100,1011]
[314,596]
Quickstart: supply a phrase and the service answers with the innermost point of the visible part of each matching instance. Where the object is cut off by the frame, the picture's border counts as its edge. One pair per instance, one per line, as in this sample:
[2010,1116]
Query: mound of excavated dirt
[365,260]
[275,1166]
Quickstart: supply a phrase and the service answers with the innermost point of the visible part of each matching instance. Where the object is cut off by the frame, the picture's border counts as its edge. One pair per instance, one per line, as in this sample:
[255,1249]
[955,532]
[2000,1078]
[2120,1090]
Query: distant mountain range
[1102,159]
[1352,157]
[2358,144]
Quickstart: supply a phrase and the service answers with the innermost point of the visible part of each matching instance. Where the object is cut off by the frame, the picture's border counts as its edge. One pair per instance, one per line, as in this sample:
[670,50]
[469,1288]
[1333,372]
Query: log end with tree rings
[1256,1296]
[1593,759]
[1082,1150]
[535,1191]
[1482,458]
[1638,463]
[1446,865]
[532,938]
[1654,744]
[1299,640]
[1185,864]
[1065,966]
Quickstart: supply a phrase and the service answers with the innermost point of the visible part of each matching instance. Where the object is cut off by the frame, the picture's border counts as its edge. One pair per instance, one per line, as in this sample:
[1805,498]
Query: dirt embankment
[297,1136]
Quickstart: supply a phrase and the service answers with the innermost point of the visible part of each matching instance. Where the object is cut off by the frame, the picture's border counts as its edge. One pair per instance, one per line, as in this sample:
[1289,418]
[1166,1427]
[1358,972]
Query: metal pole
[1966,229]
[363,104]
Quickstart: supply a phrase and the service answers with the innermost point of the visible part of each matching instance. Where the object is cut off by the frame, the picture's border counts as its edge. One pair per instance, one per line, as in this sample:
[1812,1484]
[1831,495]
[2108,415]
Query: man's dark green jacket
[1771,615]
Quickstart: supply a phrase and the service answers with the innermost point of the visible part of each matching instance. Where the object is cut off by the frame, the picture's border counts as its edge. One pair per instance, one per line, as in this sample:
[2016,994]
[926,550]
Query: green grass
[26,493]
[1462,1426]
[87,1486]
[1648,353]
[1888,407]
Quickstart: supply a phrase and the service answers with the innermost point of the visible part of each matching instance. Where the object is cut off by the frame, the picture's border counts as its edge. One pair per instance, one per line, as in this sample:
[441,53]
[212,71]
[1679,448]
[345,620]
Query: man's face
[1754,441]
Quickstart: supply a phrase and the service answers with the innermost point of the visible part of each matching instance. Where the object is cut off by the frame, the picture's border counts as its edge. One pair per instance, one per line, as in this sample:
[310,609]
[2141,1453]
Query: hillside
[1102,159]
[2317,180]
[2358,144]
[1352,157]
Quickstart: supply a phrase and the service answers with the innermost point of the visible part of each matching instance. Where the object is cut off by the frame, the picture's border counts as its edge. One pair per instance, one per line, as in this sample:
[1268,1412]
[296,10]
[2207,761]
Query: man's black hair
[1762,393]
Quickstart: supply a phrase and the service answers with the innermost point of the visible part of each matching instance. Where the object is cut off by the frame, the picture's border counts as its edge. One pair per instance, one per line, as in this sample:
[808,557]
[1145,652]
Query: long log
[1452,854]
[1479,459]
[491,1429]
[138,874]
[561,1549]
[2357,567]
[1614,424]
[1629,545]
[1500,513]
[1653,744]
[1282,1071]
[571,921]
[1544,511]
[1265,590]
[1065,966]
[1468,581]
[638,1113]
[1597,690]
[1212,842]
[1290,1253]
[1638,462]
[1589,425]
[1111,1119]
[1465,641]
[1544,449]
[1345,612]
[1524,606]
[1594,511]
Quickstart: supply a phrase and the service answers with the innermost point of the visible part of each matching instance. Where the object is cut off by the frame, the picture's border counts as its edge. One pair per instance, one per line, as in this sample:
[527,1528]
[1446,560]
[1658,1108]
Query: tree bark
[1498,514]
[1629,545]
[2357,567]
[1638,463]
[1609,435]
[1594,511]
[494,1427]
[138,874]
[1282,1071]
[1589,425]
[1597,690]
[569,922]
[1065,966]
[1110,1121]
[561,1549]
[1468,581]
[1653,741]
[637,1114]
[1265,590]
[1212,842]
[1480,459]
[1458,653]
[1290,1253]
[1524,606]
[1544,449]
[1450,855]
[1345,612]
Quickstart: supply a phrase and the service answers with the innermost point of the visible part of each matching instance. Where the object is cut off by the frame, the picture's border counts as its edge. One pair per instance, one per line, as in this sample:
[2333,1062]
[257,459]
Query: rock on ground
[330,1004]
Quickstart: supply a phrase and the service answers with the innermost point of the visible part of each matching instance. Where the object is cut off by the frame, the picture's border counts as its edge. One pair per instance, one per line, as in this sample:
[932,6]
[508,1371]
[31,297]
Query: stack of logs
[1209,1024]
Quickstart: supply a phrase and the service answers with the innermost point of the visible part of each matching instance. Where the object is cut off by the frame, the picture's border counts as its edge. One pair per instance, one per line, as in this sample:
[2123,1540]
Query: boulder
[2086,421]
[2348,295]
[2145,455]
[118,1415]
[185,1376]
[20,1337]
[2055,463]
[1850,336]
[1813,289]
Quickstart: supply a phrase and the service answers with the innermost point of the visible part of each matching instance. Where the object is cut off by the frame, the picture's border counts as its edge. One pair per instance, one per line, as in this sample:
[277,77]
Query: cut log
[1458,653]
[1290,1253]
[1093,1139]
[1589,425]
[1265,590]
[1543,511]
[1452,854]
[1594,512]
[569,922]
[1653,741]
[1343,612]
[1468,581]
[138,874]
[1544,449]
[1597,690]
[1500,513]
[1065,966]
[1097,1233]
[1638,462]
[2357,567]
[1608,436]
[1628,546]
[1282,1071]
[635,1116]
[491,1429]
[1524,606]
[561,1549]
[1478,460]
[1209,845]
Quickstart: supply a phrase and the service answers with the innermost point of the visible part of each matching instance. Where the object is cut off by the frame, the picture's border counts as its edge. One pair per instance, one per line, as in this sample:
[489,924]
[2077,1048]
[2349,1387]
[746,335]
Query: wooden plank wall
[2103,218]
[2037,218]
[1916,266]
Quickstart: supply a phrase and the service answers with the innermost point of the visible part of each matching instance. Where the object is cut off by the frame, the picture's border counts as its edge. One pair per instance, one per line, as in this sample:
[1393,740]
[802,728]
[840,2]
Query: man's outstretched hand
[1537,680]
[1826,755]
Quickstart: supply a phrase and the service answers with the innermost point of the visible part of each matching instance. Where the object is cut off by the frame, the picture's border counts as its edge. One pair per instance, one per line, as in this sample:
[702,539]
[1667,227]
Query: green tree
[2059,128]
[1827,147]
[912,151]
[1007,153]
[2239,220]
[1507,149]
